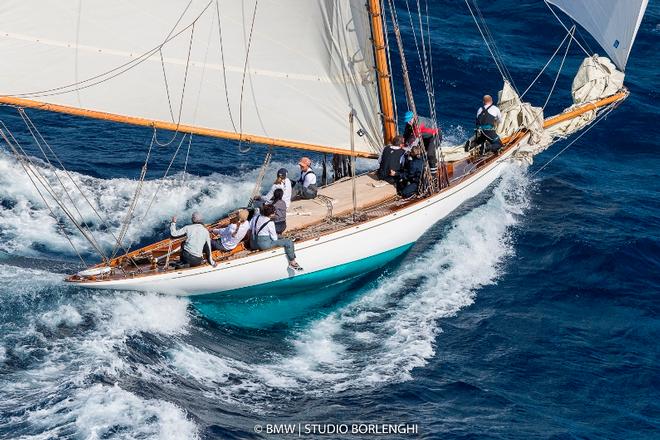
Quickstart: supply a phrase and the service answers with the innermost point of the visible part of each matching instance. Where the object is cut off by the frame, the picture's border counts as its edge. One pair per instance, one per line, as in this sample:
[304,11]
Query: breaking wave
[71,358]
[27,227]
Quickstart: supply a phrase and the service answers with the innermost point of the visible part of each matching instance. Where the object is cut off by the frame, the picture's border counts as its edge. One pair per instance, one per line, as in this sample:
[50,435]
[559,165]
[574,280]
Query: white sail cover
[613,23]
[307,64]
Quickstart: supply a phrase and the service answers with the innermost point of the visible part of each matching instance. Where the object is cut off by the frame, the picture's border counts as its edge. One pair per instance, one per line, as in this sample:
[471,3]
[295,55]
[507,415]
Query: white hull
[386,236]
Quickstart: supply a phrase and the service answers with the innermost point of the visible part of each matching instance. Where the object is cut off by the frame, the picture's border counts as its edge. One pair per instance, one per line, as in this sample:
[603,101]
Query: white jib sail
[613,23]
[305,66]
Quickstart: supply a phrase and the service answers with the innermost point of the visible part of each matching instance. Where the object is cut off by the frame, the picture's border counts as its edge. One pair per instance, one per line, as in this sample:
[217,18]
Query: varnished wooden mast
[382,70]
[28,103]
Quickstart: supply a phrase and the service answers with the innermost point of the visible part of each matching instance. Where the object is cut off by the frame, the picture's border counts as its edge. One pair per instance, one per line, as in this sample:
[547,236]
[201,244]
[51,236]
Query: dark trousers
[190,259]
[489,140]
[431,144]
[307,193]
[216,245]
[280,227]
[408,189]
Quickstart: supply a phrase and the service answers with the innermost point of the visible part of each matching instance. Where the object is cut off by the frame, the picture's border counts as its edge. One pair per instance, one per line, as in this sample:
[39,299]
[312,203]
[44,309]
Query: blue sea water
[532,312]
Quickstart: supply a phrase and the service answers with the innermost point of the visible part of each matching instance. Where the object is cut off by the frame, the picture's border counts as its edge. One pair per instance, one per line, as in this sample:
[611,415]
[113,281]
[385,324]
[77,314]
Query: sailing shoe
[295,266]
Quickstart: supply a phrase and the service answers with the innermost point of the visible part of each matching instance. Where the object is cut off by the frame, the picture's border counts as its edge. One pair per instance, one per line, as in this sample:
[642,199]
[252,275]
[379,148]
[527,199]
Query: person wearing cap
[197,242]
[306,185]
[282,182]
[230,236]
[419,127]
[391,161]
[488,116]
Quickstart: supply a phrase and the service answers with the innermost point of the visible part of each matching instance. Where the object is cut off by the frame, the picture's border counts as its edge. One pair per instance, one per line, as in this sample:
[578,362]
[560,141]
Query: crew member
[391,161]
[197,243]
[421,127]
[282,182]
[412,172]
[305,187]
[265,237]
[488,116]
[279,218]
[231,235]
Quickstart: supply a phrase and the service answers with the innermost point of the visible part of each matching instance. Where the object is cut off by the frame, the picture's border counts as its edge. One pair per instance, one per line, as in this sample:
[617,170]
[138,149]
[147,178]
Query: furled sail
[613,23]
[282,72]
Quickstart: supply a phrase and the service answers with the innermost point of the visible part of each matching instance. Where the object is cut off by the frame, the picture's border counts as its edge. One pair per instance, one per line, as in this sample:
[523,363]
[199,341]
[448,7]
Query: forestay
[613,23]
[285,70]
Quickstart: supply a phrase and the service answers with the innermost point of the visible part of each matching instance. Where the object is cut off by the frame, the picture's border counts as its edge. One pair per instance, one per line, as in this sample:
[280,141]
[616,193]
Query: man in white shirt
[306,186]
[198,241]
[231,235]
[264,236]
[488,116]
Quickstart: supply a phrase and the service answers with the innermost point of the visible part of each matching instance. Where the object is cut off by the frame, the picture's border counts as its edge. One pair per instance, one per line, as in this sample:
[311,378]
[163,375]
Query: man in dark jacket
[391,160]
[411,174]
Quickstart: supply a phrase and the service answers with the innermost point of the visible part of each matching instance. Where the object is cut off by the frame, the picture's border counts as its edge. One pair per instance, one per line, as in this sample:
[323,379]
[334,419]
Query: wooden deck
[336,200]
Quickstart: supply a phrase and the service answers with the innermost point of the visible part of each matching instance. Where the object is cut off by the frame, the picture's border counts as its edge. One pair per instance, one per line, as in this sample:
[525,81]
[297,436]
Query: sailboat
[265,72]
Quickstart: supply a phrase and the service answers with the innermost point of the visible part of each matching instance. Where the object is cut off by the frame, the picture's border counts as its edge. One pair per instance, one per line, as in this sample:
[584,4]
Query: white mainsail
[307,64]
[613,23]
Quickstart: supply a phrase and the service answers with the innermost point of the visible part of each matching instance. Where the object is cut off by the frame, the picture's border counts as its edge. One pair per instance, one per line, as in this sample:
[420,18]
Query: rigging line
[428,55]
[77,46]
[185,163]
[492,54]
[54,170]
[429,80]
[421,64]
[43,198]
[203,75]
[167,87]
[28,120]
[245,65]
[565,27]
[434,114]
[561,66]
[260,177]
[404,65]
[428,33]
[224,68]
[46,185]
[57,177]
[554,84]
[546,66]
[138,189]
[179,19]
[160,184]
[183,92]
[389,61]
[126,67]
[600,118]
[494,44]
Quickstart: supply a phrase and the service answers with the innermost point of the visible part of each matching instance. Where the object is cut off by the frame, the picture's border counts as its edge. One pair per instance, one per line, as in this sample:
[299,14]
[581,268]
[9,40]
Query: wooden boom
[131,120]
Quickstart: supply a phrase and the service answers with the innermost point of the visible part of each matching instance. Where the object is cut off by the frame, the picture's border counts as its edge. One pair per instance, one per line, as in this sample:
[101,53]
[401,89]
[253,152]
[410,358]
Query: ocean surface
[532,312]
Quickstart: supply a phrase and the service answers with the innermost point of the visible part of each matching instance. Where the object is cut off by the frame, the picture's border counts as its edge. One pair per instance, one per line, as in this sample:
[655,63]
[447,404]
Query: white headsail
[289,70]
[613,23]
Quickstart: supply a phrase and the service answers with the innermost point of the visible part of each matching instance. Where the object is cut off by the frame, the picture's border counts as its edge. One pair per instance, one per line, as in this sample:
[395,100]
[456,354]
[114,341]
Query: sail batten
[310,63]
[613,23]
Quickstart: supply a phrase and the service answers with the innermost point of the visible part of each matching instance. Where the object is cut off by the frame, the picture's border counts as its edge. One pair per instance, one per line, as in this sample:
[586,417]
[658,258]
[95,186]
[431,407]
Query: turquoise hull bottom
[281,301]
